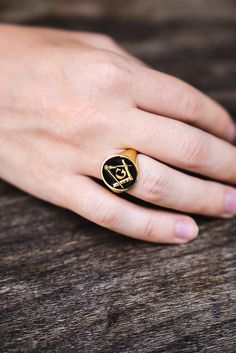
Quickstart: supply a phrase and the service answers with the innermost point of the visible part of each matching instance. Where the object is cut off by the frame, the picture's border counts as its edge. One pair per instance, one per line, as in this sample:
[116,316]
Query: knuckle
[42,166]
[149,230]
[98,39]
[189,106]
[155,185]
[193,151]
[106,216]
[105,38]
[211,200]
[203,204]
[111,70]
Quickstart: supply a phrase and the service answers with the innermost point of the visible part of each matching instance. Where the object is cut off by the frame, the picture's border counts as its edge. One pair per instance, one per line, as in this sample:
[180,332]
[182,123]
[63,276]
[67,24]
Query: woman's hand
[69,100]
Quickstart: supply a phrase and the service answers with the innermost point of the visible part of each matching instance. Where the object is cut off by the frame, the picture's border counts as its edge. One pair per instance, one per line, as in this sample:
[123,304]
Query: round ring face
[119,173]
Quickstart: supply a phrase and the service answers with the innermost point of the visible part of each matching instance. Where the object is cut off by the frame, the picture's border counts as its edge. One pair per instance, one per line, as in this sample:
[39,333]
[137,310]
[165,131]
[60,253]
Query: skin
[68,100]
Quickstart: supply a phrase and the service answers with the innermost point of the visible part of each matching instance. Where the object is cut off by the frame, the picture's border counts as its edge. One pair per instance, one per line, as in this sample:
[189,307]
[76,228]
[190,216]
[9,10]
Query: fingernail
[185,230]
[230,134]
[230,203]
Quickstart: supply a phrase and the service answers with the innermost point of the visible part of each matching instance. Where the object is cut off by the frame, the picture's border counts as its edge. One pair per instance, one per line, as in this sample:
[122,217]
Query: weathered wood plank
[67,285]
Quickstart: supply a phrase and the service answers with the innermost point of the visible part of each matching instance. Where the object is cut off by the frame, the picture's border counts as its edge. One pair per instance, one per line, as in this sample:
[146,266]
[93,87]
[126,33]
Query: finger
[179,144]
[85,197]
[165,95]
[164,186]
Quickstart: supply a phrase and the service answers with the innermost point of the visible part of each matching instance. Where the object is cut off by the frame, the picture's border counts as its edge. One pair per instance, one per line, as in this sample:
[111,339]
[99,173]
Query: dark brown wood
[68,285]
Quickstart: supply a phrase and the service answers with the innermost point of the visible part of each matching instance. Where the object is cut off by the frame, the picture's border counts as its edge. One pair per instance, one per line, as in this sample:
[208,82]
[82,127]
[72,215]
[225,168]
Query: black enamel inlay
[119,172]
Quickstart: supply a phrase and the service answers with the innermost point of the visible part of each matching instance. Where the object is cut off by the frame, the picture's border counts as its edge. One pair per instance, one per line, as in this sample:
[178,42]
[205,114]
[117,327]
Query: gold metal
[119,172]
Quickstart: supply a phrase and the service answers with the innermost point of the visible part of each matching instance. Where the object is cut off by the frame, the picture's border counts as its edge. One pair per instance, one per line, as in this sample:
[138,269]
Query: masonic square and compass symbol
[119,173]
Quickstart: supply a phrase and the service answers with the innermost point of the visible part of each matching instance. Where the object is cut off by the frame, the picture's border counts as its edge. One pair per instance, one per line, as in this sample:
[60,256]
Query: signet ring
[119,172]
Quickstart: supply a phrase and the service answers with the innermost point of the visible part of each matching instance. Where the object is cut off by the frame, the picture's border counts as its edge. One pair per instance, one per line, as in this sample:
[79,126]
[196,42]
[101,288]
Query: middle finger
[178,144]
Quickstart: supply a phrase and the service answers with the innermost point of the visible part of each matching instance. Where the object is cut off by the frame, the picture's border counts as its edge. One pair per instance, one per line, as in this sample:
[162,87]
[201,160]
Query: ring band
[119,172]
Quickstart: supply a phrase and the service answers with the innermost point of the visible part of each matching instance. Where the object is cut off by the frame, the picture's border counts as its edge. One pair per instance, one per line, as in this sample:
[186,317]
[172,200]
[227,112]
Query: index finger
[165,95]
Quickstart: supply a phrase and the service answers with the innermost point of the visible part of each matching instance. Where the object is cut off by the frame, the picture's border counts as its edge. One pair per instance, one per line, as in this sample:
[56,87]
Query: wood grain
[68,285]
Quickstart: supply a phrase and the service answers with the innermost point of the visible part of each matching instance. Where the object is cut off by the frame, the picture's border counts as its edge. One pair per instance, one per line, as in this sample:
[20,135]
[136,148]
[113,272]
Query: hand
[69,100]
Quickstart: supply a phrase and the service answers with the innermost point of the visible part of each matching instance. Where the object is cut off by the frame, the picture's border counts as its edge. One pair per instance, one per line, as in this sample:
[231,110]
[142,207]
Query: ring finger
[167,187]
[161,185]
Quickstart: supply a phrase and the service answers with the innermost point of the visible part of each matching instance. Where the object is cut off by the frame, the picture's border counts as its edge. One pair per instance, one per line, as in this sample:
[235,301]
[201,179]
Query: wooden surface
[67,285]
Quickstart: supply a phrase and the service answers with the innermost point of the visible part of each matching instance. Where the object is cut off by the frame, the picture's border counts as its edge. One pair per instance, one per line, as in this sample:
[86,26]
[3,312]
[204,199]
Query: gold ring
[119,172]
